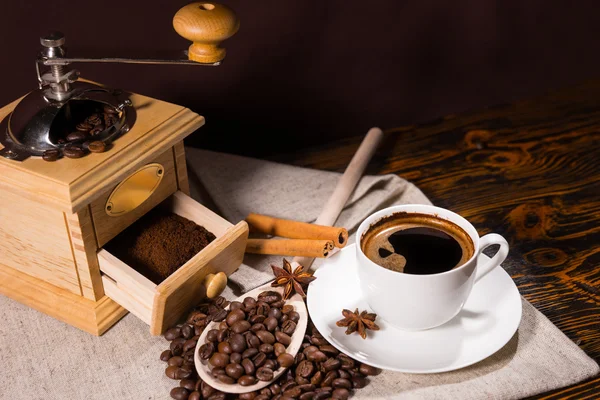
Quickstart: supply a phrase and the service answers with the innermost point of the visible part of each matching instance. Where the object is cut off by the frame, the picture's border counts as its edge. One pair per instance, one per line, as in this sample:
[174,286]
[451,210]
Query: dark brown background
[303,72]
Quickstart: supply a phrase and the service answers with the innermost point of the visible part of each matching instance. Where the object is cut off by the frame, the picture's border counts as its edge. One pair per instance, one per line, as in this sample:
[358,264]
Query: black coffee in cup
[415,243]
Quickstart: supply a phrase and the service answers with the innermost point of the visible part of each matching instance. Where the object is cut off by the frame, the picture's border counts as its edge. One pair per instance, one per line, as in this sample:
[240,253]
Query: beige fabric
[43,358]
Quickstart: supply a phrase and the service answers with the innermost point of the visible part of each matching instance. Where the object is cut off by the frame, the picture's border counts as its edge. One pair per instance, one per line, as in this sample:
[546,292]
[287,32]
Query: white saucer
[487,322]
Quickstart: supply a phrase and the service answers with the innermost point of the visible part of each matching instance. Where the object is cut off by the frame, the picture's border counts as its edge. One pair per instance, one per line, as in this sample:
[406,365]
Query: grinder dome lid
[37,122]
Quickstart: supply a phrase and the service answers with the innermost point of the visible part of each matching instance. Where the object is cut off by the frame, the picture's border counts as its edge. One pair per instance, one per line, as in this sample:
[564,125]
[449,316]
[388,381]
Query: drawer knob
[215,284]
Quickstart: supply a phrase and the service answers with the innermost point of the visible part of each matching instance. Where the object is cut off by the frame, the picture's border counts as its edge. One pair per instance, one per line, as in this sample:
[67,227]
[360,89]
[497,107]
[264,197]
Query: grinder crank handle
[206,25]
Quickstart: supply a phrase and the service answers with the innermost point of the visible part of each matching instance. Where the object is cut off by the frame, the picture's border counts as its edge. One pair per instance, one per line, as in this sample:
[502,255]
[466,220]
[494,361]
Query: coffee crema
[414,243]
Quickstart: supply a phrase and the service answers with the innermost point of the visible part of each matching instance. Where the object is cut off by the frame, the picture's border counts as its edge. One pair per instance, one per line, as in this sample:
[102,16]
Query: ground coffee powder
[159,243]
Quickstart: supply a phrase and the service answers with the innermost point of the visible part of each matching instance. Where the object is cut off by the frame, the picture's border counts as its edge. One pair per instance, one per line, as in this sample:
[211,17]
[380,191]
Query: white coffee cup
[418,302]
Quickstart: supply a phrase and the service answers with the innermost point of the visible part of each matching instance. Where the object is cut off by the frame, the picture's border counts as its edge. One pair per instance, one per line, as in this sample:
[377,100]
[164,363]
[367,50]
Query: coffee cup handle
[485,242]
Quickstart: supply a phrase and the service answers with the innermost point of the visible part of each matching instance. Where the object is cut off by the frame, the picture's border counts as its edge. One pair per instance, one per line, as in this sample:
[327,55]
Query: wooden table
[529,171]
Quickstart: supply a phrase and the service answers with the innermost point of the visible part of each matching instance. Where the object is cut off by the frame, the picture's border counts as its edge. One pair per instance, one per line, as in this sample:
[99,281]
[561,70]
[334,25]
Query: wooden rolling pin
[346,185]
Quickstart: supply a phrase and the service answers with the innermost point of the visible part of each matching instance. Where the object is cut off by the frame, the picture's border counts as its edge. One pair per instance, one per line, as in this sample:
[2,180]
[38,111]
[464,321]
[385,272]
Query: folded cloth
[44,358]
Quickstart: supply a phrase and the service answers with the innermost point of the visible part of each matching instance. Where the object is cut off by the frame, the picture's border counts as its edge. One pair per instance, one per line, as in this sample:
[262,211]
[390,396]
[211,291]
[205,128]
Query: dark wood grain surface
[529,171]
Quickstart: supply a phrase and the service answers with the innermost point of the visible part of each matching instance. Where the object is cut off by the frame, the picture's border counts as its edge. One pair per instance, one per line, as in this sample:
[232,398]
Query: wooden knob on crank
[206,25]
[215,284]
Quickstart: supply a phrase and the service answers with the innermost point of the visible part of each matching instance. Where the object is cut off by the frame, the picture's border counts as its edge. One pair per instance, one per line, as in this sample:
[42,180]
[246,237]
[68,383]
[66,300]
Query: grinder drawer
[162,305]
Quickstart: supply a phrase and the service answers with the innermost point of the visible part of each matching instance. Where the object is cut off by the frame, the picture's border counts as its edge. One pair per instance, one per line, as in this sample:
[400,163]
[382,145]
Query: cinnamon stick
[290,247]
[297,230]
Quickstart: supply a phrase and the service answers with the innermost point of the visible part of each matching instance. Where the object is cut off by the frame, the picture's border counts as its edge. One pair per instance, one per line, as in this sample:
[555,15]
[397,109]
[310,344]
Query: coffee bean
[284,318]
[283,338]
[275,313]
[184,373]
[215,372]
[225,348]
[235,358]
[73,151]
[171,371]
[272,364]
[240,326]
[307,396]
[247,380]
[189,384]
[307,387]
[317,356]
[266,348]
[317,378]
[194,396]
[217,396]
[344,374]
[294,316]
[285,360]
[329,350]
[93,119]
[257,319]
[305,369]
[259,359]
[288,327]
[235,316]
[262,309]
[249,303]
[109,109]
[270,296]
[206,390]
[321,395]
[300,380]
[206,351]
[195,317]
[341,383]
[293,392]
[288,385]
[278,304]
[179,393]
[97,146]
[76,136]
[278,349]
[340,394]
[299,358]
[234,370]
[176,361]
[347,362]
[247,395]
[271,323]
[368,370]
[252,340]
[96,130]
[309,349]
[358,382]
[264,374]
[287,308]
[235,305]
[51,155]
[226,379]
[219,360]
[329,378]
[257,327]
[262,397]
[84,127]
[219,316]
[248,366]
[249,353]
[177,346]
[223,335]
[331,364]
[317,341]
[187,331]
[190,344]
[211,336]
[165,355]
[266,337]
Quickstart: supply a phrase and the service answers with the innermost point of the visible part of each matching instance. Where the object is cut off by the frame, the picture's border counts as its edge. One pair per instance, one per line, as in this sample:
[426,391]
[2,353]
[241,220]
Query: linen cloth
[43,358]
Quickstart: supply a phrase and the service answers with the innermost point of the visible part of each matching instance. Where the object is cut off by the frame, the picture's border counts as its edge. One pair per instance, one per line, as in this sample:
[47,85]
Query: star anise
[293,281]
[356,322]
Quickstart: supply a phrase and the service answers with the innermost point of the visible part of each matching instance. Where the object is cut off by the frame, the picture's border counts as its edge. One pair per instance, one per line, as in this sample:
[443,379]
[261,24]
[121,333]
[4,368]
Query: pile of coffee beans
[81,141]
[318,371]
[250,344]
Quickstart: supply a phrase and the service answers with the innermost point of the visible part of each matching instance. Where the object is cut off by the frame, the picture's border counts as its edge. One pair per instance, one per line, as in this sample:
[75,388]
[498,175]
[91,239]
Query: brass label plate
[134,190]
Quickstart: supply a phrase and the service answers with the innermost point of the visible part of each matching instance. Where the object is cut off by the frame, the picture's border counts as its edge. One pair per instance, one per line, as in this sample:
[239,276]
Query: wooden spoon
[203,367]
